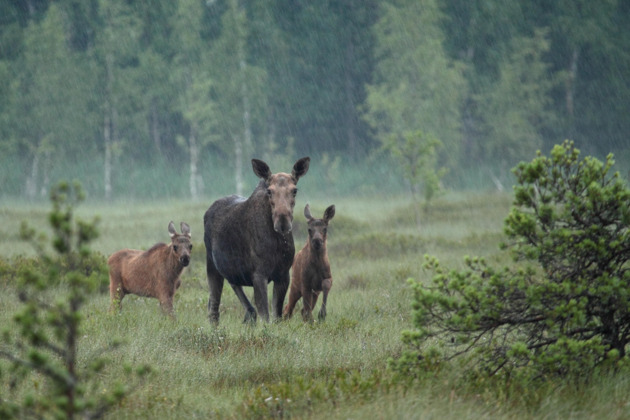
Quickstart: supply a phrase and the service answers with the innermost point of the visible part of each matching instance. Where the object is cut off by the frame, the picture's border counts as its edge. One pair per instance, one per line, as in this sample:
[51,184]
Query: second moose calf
[153,273]
[311,268]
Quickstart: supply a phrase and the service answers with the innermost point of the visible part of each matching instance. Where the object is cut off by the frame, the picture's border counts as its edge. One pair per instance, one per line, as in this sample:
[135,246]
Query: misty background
[162,98]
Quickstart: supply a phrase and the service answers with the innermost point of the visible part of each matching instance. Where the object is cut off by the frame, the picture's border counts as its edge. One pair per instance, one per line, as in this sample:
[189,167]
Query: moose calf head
[181,243]
[318,228]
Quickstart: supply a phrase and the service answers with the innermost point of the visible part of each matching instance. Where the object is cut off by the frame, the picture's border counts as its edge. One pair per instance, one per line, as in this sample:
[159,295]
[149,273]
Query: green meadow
[333,369]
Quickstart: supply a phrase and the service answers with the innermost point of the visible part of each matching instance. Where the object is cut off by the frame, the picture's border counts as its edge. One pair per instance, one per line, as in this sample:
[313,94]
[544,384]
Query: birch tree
[416,86]
[517,108]
[239,87]
[193,77]
[117,43]
[38,95]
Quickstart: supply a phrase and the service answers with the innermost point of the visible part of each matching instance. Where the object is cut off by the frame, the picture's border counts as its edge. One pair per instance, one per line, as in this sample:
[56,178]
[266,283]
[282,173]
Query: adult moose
[249,241]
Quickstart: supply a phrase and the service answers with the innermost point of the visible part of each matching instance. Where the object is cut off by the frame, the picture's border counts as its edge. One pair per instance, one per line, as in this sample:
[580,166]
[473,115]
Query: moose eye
[294,192]
[268,192]
[175,248]
[190,247]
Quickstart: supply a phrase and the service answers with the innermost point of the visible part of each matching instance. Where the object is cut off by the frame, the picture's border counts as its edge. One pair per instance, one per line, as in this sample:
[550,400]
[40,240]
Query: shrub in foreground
[563,308]
[43,378]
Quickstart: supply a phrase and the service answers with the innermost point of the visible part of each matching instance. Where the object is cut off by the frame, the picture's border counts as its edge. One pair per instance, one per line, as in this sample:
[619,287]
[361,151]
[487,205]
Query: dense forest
[126,95]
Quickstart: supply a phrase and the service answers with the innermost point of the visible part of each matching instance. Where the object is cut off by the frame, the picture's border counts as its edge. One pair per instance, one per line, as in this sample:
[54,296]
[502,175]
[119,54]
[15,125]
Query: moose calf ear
[185,229]
[329,213]
[171,229]
[307,212]
[301,167]
[261,169]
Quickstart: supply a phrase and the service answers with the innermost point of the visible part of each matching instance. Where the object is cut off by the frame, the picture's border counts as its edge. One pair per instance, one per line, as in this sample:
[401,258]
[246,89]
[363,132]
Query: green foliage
[563,308]
[115,88]
[207,372]
[297,396]
[416,85]
[377,245]
[416,153]
[516,109]
[93,264]
[46,332]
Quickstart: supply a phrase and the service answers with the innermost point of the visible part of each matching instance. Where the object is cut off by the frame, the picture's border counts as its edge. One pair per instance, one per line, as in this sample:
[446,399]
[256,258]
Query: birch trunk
[571,81]
[107,176]
[155,128]
[247,127]
[194,160]
[108,126]
[238,164]
[570,89]
[31,180]
[242,146]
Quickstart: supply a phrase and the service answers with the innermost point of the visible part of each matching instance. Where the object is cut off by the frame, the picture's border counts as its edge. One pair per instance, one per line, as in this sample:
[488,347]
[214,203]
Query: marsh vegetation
[337,368]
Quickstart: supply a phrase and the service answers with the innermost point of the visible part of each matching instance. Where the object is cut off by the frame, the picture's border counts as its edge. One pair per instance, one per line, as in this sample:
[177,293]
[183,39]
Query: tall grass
[334,369]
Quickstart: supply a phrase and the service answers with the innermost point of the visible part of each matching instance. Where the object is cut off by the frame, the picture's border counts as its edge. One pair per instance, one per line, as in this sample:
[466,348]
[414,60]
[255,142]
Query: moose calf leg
[309,300]
[166,303]
[116,295]
[326,285]
[294,295]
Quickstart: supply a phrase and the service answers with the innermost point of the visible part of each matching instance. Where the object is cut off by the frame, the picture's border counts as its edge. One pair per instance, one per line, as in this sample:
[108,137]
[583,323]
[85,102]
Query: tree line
[113,83]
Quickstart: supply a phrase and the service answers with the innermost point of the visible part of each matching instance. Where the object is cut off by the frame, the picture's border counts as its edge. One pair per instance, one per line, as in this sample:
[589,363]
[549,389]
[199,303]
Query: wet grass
[334,369]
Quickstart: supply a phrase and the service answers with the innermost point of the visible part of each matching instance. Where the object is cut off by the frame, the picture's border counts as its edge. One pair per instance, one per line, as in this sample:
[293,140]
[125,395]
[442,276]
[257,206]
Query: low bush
[562,309]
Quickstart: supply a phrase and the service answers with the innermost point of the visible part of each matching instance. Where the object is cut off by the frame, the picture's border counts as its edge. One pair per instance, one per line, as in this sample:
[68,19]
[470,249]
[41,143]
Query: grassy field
[335,369]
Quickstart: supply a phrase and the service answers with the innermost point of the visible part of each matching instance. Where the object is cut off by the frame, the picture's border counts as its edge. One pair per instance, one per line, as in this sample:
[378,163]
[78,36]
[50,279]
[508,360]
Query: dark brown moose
[311,268]
[152,273]
[249,241]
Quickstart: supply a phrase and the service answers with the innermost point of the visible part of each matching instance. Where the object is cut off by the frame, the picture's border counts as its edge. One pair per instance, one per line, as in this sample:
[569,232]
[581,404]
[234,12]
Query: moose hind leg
[250,312]
[215,284]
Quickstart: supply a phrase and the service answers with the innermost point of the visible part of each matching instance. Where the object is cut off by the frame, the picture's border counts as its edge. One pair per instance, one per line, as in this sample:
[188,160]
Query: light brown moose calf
[311,268]
[152,273]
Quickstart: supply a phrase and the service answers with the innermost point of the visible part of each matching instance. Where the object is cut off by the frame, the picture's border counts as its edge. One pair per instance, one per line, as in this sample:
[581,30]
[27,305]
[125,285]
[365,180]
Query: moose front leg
[309,299]
[166,303]
[116,296]
[280,287]
[260,296]
[326,285]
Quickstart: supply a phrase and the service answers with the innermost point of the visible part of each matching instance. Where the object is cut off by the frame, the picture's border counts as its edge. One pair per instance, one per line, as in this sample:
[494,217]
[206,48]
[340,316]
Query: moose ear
[261,169]
[307,212]
[171,229]
[301,167]
[185,229]
[329,213]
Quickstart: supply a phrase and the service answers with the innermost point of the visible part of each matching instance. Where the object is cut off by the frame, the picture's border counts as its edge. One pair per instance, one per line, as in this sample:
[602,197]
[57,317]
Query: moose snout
[184,260]
[317,243]
[283,225]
